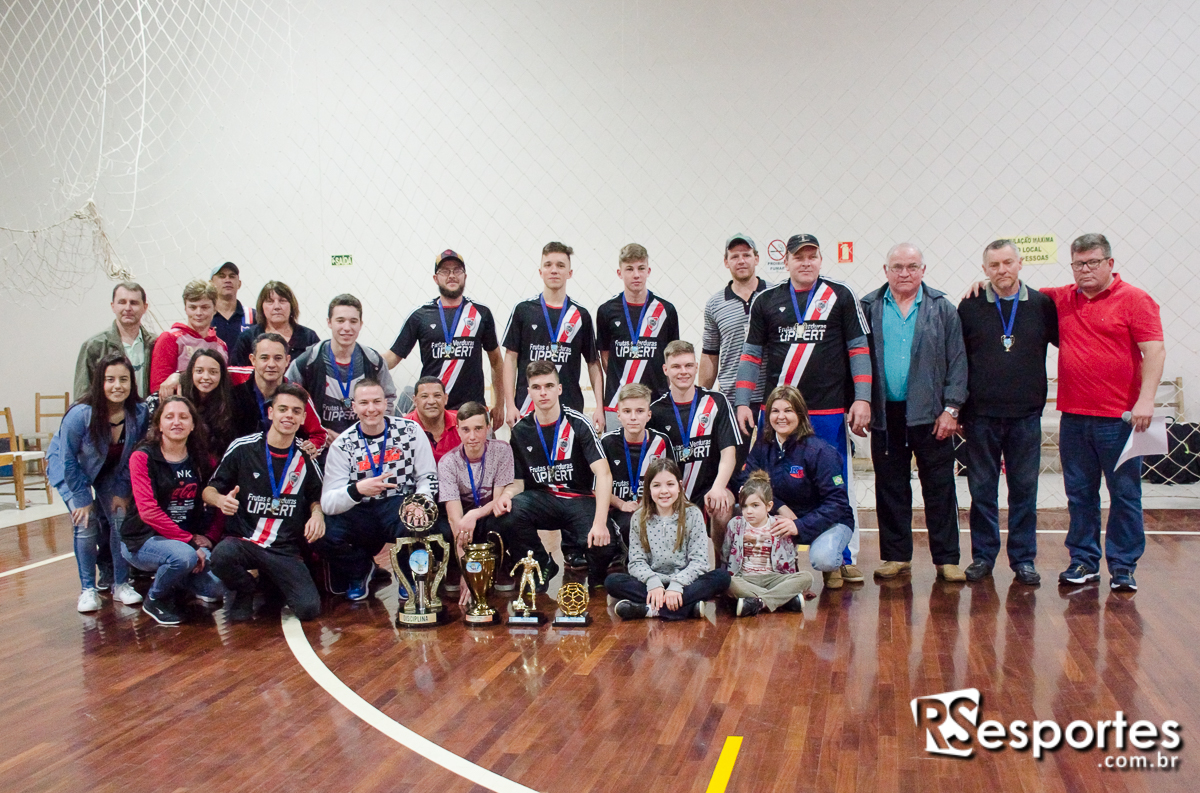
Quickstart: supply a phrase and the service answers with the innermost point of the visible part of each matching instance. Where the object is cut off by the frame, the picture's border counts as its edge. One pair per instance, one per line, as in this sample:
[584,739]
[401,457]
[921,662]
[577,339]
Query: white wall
[283,134]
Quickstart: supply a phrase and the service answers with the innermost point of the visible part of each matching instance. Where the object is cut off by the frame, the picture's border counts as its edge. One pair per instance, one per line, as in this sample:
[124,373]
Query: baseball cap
[798,241]
[447,254]
[736,238]
[226,265]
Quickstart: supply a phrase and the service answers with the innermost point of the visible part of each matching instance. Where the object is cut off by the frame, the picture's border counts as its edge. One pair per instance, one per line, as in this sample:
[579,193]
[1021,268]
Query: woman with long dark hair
[807,483]
[88,463]
[168,531]
[205,383]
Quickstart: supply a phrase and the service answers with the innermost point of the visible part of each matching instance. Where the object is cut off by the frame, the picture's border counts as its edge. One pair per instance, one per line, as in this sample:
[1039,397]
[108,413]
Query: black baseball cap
[225,266]
[447,254]
[798,241]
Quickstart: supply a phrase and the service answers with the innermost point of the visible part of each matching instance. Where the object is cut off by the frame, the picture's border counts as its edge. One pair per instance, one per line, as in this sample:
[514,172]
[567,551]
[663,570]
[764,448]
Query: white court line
[51,560]
[424,747]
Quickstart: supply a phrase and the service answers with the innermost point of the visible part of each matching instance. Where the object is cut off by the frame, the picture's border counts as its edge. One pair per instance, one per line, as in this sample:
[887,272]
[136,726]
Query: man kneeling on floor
[372,467]
[272,497]
[562,483]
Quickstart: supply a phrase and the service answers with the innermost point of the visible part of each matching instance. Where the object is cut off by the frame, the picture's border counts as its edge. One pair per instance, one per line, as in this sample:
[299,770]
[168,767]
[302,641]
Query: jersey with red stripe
[808,352]
[244,466]
[711,428]
[528,336]
[630,359]
[573,450]
[654,445]
[458,363]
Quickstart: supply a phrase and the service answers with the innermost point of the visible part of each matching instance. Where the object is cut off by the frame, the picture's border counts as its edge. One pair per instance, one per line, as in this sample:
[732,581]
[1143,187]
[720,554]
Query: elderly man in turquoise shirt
[920,382]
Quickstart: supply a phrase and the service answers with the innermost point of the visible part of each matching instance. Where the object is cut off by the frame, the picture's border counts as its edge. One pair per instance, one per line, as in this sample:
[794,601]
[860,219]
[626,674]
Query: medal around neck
[572,605]
[479,570]
[426,567]
[523,614]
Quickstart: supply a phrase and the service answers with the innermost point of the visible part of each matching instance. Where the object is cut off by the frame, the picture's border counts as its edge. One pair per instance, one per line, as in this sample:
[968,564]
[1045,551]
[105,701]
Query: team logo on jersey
[796,472]
[652,323]
[533,325]
[570,328]
[822,305]
[432,324]
[528,448]
[294,478]
[617,323]
[704,420]
[469,324]
[782,309]
[562,444]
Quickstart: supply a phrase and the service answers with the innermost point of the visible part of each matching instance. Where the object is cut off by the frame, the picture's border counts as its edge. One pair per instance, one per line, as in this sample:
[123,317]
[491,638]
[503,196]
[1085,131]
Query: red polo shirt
[449,440]
[1099,363]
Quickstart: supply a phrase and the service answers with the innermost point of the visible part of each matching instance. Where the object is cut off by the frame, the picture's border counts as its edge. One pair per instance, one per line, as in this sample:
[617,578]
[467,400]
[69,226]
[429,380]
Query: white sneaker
[125,593]
[89,600]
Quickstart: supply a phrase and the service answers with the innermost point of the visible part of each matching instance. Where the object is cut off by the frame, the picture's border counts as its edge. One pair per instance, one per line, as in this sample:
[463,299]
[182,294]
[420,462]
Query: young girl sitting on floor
[761,561]
[668,553]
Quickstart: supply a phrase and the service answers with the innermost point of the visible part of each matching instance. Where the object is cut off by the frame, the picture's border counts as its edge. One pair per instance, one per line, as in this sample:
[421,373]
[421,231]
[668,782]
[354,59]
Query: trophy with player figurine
[426,568]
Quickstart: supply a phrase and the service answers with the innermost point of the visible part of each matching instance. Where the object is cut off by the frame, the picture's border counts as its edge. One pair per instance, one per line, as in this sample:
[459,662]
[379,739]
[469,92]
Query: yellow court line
[724,769]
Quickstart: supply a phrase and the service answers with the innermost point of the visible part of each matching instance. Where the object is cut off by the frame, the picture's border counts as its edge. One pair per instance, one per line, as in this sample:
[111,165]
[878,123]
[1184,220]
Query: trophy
[479,569]
[528,614]
[423,607]
[573,603]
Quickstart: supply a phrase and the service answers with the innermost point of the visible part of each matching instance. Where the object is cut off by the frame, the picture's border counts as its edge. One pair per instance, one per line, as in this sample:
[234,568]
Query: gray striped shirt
[725,318]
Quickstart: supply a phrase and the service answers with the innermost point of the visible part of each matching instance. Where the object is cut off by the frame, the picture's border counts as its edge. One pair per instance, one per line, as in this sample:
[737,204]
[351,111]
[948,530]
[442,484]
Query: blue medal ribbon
[448,329]
[685,429]
[796,303]
[1007,325]
[482,463]
[277,486]
[562,316]
[635,331]
[633,488]
[542,438]
[376,469]
[344,387]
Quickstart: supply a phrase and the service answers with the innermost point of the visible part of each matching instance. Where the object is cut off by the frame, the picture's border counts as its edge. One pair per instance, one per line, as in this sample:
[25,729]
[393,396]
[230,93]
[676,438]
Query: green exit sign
[342,260]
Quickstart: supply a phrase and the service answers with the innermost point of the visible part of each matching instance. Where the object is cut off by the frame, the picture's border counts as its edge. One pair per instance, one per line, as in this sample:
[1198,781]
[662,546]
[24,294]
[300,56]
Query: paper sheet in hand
[1152,441]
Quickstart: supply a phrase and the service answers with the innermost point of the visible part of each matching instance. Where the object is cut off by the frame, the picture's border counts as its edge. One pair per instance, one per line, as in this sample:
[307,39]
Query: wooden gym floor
[113,702]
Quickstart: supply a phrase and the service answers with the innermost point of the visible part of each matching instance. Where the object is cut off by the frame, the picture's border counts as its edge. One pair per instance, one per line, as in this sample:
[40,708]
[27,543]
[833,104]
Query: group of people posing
[264,448]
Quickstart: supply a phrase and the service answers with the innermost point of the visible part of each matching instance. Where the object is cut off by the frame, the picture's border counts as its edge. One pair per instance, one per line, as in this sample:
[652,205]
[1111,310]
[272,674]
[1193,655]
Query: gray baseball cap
[736,238]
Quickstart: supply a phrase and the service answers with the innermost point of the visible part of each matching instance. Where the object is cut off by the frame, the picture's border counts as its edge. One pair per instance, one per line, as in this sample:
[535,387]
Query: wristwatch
[953,412]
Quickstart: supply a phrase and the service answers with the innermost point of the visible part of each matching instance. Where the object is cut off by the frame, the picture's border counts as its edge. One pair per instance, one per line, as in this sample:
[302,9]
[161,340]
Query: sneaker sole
[1123,587]
[161,620]
[1089,578]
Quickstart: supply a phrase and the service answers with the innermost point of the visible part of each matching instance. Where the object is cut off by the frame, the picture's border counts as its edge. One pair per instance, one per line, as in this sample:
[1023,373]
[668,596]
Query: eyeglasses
[911,268]
[451,271]
[1090,264]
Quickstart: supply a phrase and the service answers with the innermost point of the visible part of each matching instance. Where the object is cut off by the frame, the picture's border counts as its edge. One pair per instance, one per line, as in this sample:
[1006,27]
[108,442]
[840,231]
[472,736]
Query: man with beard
[452,332]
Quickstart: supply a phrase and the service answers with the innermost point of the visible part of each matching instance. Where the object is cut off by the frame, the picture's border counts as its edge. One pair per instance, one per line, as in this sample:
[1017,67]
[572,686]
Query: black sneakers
[1027,574]
[796,604]
[748,607]
[1122,581]
[628,610]
[239,606]
[161,612]
[977,571]
[1078,573]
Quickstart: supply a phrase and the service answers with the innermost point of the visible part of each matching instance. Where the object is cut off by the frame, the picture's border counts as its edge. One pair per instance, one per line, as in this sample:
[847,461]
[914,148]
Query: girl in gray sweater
[668,574]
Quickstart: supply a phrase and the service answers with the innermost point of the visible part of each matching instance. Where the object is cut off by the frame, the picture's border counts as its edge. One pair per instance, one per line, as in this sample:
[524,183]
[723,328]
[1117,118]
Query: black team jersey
[458,360]
[630,359]
[573,450]
[711,428]
[812,354]
[654,445]
[530,338]
[245,466]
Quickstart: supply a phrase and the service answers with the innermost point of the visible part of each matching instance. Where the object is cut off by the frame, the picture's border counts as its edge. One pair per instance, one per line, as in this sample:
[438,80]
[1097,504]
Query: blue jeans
[1019,440]
[172,561]
[825,552]
[87,537]
[1089,446]
[831,428]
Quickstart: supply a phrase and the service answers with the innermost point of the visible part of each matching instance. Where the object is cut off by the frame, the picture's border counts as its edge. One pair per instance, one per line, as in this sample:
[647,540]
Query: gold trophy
[423,607]
[528,614]
[572,605]
[479,569]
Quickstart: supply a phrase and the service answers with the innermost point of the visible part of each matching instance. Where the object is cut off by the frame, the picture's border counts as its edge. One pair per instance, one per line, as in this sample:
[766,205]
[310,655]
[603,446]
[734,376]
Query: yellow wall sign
[1038,249]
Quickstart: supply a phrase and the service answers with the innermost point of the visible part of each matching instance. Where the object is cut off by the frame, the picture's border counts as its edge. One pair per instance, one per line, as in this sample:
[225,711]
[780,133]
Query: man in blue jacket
[919,384]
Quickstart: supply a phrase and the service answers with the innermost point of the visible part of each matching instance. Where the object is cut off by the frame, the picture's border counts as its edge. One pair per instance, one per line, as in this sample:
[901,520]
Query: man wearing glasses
[1110,363]
[919,385]
[453,333]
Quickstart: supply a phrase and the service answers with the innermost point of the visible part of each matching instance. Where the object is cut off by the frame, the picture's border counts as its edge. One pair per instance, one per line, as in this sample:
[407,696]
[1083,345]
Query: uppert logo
[952,726]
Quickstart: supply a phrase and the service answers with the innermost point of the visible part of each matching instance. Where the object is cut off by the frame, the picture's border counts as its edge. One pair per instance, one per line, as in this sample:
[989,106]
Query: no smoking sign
[776,250]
